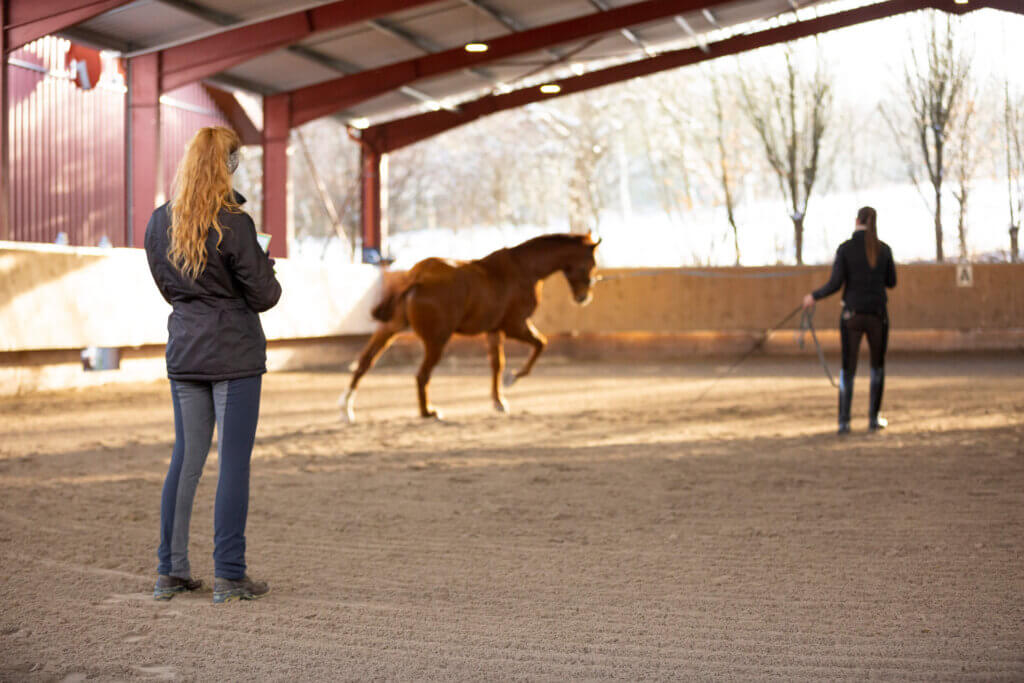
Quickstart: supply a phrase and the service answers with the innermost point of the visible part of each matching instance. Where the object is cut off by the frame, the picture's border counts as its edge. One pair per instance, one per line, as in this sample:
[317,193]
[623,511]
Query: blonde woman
[207,263]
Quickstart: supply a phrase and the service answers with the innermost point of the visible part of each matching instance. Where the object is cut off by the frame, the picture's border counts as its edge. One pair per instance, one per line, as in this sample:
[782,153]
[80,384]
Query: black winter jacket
[214,331]
[865,286]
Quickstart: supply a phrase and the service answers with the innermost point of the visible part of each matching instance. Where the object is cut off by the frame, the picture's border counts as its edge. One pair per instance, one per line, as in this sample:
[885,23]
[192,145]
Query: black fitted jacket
[214,331]
[865,286]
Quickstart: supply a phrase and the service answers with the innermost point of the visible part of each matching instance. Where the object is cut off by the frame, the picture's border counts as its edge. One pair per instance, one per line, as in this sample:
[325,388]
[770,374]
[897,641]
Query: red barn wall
[67,145]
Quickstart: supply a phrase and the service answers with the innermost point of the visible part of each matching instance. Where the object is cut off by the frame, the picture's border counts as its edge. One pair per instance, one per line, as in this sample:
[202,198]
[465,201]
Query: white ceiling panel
[282,70]
[147,22]
[368,48]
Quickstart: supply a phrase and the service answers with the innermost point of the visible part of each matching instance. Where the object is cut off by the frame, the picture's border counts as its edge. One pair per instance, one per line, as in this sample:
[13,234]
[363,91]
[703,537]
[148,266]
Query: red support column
[276,209]
[5,224]
[143,143]
[371,165]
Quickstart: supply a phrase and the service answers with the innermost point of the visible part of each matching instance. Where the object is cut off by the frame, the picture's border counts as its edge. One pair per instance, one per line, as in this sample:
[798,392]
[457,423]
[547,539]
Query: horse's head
[579,269]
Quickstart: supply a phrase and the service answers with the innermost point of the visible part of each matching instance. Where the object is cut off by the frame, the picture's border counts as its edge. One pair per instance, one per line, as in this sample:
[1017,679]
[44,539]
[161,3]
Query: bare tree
[934,82]
[791,115]
[724,166]
[501,170]
[327,203]
[667,152]
[583,131]
[675,103]
[325,182]
[964,163]
[1013,130]
[704,119]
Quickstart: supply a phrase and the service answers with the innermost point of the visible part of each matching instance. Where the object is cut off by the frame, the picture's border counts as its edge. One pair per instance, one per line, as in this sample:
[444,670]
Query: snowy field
[703,237]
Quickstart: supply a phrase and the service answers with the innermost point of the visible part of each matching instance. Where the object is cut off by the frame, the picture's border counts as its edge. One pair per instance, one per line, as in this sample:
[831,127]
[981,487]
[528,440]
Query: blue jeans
[234,406]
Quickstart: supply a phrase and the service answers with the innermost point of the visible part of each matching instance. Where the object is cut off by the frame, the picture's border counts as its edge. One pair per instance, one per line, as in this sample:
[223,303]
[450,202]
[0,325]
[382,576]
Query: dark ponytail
[868,217]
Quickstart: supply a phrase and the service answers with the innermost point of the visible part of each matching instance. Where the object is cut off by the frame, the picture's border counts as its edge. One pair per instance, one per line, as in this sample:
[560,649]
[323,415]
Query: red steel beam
[198,59]
[275,172]
[323,99]
[28,20]
[387,137]
[236,115]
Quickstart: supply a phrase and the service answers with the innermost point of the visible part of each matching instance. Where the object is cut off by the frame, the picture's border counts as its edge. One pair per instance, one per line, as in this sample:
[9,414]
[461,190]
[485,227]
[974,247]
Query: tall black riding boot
[877,387]
[845,399]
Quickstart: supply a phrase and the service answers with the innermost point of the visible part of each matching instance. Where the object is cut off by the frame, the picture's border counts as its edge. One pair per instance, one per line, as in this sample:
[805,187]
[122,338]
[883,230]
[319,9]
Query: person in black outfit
[207,263]
[865,266]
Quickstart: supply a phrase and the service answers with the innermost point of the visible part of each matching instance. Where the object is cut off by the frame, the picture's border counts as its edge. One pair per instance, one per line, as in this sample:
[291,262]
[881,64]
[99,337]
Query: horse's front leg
[496,353]
[526,332]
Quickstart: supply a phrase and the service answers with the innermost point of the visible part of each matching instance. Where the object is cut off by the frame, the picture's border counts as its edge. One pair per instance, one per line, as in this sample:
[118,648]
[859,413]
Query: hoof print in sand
[159,672]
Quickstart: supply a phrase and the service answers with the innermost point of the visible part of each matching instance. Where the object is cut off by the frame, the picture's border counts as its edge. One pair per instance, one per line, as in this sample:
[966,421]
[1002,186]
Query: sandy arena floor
[609,528]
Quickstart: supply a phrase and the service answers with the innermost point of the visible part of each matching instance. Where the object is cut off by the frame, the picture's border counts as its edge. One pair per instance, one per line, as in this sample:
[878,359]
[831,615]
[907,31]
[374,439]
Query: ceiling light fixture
[475,45]
[550,88]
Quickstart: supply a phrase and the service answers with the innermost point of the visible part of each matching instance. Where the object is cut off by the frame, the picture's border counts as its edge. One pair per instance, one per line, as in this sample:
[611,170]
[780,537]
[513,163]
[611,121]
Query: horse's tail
[385,310]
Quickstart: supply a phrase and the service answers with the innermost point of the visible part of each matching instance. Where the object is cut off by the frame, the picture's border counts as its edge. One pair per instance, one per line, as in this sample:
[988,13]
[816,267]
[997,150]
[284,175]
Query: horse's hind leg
[431,316]
[378,343]
[496,353]
[433,348]
[526,332]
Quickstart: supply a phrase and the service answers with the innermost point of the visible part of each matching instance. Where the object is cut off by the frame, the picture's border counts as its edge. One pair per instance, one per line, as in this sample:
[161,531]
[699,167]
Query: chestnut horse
[495,295]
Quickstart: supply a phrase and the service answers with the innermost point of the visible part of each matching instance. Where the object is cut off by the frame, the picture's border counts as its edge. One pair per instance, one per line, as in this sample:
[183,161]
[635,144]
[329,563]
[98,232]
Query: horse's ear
[594,245]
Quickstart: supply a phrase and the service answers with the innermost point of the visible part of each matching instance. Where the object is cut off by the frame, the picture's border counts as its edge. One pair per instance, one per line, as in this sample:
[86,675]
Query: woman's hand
[808,300]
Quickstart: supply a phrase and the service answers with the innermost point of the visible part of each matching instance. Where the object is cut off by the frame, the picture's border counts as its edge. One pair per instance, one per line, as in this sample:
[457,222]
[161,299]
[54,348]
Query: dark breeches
[857,325]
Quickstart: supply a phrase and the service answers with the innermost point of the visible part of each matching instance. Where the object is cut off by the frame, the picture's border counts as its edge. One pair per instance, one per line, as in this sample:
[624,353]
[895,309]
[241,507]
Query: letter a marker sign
[964,275]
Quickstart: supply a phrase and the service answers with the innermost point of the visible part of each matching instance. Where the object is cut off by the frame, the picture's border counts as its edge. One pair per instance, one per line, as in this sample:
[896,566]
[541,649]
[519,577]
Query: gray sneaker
[168,586]
[226,590]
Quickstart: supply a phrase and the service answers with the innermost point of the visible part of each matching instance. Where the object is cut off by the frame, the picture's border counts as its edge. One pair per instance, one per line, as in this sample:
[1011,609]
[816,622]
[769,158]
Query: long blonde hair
[202,187]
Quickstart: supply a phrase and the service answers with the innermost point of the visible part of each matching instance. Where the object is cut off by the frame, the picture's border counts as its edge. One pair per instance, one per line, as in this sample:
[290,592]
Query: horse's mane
[557,239]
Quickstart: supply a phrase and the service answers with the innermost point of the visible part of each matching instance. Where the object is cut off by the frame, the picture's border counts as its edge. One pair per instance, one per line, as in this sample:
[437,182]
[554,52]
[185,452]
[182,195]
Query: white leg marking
[347,404]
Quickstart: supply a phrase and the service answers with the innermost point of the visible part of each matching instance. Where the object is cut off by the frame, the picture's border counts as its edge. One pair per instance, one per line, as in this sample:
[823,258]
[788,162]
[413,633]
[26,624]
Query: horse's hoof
[345,401]
[509,379]
[501,406]
[433,415]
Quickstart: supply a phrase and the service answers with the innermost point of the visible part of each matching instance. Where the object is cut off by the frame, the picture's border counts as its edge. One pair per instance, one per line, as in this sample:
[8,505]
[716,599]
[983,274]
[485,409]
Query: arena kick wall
[55,301]
[670,312]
